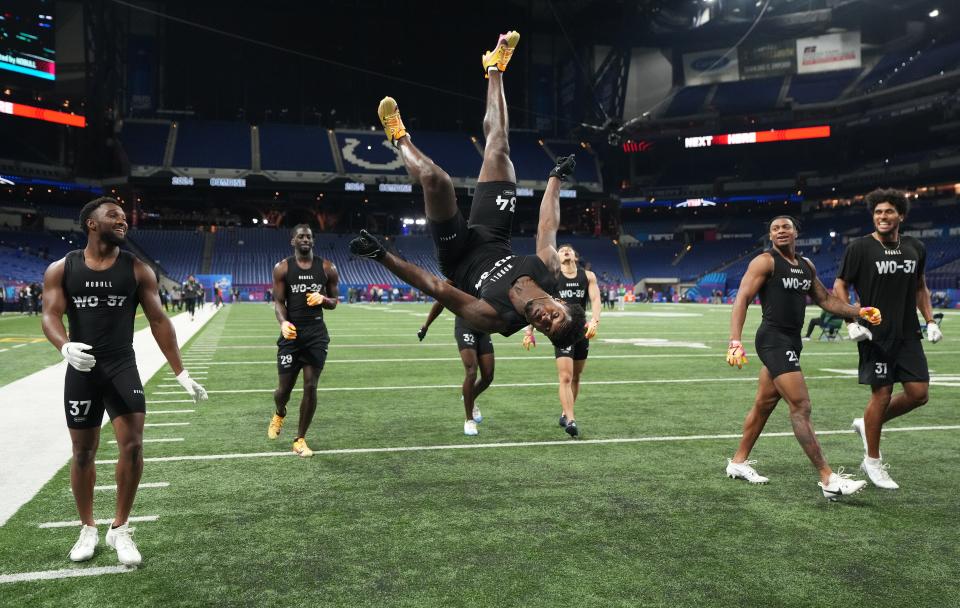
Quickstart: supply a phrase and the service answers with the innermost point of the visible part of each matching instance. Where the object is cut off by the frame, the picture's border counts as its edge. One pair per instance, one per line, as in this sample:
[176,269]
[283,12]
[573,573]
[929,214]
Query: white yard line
[519,444]
[99,522]
[150,424]
[150,413]
[168,440]
[47,575]
[506,385]
[152,484]
[26,468]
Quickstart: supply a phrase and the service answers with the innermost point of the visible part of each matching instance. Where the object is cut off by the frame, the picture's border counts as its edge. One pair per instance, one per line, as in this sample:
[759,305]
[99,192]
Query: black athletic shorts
[491,220]
[578,352]
[468,338]
[905,363]
[87,394]
[778,351]
[309,348]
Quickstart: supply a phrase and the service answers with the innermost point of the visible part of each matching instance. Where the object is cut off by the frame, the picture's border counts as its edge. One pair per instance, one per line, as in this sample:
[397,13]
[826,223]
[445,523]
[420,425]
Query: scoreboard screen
[27,38]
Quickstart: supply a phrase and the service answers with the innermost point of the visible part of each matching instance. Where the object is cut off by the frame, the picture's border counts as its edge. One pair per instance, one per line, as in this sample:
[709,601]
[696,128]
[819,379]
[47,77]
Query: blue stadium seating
[369,152]
[145,142]
[822,87]
[295,148]
[529,158]
[747,96]
[179,252]
[212,144]
[933,61]
[688,100]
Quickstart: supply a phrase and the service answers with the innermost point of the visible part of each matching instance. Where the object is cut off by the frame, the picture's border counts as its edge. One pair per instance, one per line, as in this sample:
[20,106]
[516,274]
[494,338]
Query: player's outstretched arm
[477,313]
[287,329]
[333,286]
[753,279]
[593,290]
[435,311]
[163,332]
[549,221]
[834,305]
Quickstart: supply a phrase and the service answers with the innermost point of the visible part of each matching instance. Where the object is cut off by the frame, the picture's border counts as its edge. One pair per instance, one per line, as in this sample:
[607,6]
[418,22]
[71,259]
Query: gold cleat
[500,56]
[301,448]
[390,119]
[276,423]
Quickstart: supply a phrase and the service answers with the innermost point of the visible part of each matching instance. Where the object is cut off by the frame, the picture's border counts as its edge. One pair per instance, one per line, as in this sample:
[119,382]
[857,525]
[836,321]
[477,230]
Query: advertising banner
[210,281]
[710,66]
[829,52]
[774,59]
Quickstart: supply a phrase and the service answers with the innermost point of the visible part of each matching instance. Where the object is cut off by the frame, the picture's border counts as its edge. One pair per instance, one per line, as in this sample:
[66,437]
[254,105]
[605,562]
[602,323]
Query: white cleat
[477,416]
[84,548]
[876,471]
[744,470]
[840,484]
[470,428]
[859,429]
[121,539]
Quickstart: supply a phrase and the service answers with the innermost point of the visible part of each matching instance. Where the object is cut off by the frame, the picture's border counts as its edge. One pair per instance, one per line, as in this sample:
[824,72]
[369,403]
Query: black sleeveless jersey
[783,296]
[573,290]
[491,282]
[887,277]
[301,282]
[101,305]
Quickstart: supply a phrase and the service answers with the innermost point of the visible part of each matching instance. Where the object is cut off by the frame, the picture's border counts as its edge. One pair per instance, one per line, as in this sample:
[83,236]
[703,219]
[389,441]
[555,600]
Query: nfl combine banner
[830,52]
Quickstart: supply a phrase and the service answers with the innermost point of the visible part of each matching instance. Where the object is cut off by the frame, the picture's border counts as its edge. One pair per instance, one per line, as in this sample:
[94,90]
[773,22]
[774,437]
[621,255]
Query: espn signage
[757,137]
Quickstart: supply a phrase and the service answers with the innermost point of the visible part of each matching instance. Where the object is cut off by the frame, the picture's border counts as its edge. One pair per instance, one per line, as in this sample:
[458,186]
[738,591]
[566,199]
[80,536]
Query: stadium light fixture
[833,234]
[934,13]
[255,220]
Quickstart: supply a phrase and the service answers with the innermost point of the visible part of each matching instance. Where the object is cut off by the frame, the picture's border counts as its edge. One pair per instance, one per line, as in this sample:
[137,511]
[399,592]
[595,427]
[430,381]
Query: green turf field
[527,517]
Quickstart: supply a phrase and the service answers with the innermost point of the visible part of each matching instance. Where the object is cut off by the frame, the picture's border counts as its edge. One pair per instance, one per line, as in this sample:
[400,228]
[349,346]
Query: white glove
[933,332]
[859,333]
[192,387]
[78,360]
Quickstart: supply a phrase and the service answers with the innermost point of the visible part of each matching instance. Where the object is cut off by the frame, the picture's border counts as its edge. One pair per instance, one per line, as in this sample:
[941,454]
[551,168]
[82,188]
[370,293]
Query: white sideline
[518,444]
[46,575]
[98,522]
[154,440]
[34,442]
[151,484]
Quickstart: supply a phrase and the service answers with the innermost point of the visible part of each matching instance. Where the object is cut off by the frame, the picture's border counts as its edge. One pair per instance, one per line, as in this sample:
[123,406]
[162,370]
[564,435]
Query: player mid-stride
[783,280]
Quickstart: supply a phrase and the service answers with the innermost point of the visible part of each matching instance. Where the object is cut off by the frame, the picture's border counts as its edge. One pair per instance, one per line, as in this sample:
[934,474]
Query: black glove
[422,333]
[367,246]
[564,168]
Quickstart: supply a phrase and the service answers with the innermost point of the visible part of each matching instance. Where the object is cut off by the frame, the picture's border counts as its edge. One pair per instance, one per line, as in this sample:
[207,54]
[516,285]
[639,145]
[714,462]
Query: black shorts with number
[491,221]
[578,352]
[778,351]
[468,338]
[309,348]
[905,362]
[87,394]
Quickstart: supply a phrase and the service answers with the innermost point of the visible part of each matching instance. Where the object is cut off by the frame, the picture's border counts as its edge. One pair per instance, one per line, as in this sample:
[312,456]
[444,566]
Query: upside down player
[303,285]
[476,353]
[576,284]
[99,288]
[784,280]
[887,270]
[493,289]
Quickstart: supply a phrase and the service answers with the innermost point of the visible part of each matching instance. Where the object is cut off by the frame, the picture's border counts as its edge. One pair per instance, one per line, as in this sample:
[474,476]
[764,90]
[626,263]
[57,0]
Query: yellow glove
[871,315]
[736,355]
[529,341]
[592,327]
[288,330]
[315,298]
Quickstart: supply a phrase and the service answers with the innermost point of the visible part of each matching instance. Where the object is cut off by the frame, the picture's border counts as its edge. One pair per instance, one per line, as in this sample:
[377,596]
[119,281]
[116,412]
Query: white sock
[873,460]
[492,68]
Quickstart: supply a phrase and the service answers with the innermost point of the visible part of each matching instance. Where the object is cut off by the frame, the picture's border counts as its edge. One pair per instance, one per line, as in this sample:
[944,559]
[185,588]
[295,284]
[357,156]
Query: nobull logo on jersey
[892,266]
[496,272]
[798,284]
[94,301]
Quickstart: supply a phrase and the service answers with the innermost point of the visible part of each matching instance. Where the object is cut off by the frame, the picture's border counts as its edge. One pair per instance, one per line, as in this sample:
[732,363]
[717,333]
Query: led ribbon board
[25,111]
[757,137]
